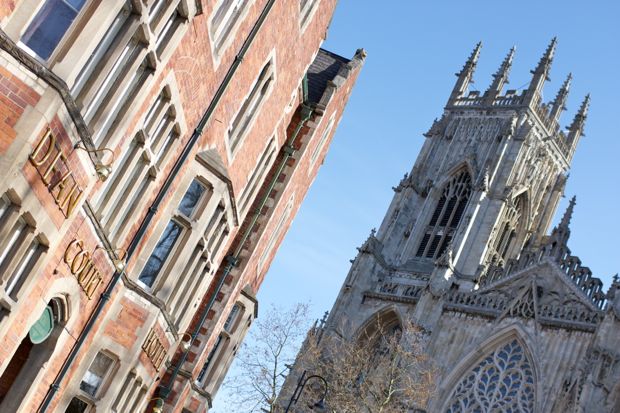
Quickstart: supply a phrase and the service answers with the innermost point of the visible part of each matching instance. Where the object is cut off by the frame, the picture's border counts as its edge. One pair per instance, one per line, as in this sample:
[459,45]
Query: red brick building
[153,155]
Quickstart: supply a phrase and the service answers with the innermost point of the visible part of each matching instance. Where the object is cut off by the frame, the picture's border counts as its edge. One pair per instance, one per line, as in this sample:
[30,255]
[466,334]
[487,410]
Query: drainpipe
[232,259]
[163,191]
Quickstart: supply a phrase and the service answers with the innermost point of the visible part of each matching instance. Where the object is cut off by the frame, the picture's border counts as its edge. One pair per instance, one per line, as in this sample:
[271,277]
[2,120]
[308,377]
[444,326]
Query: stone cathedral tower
[465,251]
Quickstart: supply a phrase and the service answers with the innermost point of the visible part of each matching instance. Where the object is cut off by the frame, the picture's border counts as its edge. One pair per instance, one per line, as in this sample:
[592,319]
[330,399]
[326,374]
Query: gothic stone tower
[464,252]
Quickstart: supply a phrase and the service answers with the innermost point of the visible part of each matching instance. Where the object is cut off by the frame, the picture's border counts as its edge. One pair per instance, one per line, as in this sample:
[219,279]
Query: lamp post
[301,384]
[158,406]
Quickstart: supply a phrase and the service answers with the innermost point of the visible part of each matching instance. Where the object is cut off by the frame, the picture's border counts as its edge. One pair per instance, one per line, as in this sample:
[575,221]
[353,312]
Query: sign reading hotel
[51,164]
[154,349]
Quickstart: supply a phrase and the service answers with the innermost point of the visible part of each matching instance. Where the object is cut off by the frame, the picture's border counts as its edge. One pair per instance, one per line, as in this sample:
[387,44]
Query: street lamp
[301,384]
[103,170]
[158,405]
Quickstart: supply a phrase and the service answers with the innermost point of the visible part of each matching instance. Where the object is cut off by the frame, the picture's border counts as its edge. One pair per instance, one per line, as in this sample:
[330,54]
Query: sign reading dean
[51,164]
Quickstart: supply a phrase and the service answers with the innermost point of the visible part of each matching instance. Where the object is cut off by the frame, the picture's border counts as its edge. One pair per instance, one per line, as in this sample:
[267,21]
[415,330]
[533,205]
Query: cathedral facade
[515,322]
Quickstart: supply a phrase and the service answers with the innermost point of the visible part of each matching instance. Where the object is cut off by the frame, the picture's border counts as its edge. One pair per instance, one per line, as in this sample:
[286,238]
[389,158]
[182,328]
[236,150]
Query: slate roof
[324,68]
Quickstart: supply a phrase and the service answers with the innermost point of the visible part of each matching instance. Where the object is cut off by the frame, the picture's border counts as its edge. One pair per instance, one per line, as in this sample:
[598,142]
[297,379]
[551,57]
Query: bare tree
[384,370]
[261,365]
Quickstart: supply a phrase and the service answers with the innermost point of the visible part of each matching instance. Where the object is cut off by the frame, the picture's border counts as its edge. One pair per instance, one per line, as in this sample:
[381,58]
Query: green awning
[43,327]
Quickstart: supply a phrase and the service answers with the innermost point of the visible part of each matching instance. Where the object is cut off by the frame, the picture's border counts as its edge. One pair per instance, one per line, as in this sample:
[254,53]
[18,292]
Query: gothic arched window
[502,382]
[446,217]
[507,233]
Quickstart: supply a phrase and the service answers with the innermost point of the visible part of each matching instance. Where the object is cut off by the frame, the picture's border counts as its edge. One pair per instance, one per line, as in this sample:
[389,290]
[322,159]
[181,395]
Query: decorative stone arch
[28,363]
[511,229]
[464,165]
[388,316]
[445,208]
[473,360]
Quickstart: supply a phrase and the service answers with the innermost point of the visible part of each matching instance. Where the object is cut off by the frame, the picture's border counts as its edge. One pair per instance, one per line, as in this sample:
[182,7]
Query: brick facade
[70,212]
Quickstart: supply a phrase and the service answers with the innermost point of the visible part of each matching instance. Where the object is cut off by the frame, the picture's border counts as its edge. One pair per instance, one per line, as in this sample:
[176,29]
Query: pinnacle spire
[559,103]
[581,115]
[562,231]
[466,74]
[500,77]
[545,61]
[472,60]
[575,130]
[541,73]
[568,214]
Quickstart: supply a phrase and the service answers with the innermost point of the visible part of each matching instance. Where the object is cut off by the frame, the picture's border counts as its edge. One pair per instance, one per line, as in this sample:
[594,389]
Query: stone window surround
[85,34]
[306,13]
[35,224]
[218,50]
[127,365]
[106,381]
[143,154]
[275,234]
[228,346]
[241,135]
[514,246]
[428,208]
[247,198]
[314,155]
[132,393]
[193,235]
[476,352]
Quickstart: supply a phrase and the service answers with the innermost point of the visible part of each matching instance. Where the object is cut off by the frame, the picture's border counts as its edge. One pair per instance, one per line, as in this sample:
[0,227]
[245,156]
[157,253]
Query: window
[258,176]
[446,217]
[232,318]
[225,18]
[160,253]
[508,230]
[306,11]
[78,405]
[50,25]
[218,233]
[132,395]
[250,107]
[98,373]
[115,73]
[191,199]
[20,248]
[205,367]
[149,151]
[275,235]
[321,143]
[504,379]
[119,23]
[188,206]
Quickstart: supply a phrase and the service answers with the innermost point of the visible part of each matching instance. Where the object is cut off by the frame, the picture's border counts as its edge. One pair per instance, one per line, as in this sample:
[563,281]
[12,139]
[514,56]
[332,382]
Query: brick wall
[29,111]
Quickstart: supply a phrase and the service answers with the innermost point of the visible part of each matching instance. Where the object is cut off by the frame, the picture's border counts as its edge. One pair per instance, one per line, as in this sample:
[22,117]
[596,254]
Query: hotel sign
[154,349]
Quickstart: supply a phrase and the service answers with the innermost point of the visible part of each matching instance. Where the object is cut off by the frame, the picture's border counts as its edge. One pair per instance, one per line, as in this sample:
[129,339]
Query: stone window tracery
[502,382]
[508,231]
[446,217]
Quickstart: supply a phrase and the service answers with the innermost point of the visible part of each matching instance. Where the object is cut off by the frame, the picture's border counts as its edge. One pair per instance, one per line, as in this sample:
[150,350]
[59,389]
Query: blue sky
[414,48]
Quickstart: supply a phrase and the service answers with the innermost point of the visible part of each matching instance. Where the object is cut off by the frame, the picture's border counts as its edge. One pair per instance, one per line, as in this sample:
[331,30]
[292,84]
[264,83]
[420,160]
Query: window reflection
[50,25]
[191,198]
[160,253]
